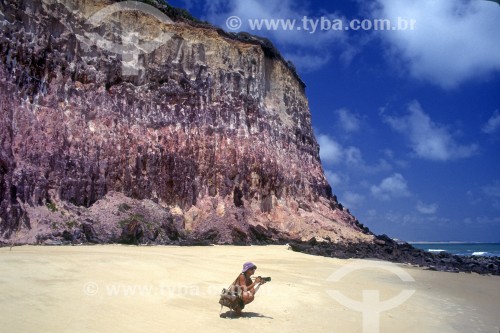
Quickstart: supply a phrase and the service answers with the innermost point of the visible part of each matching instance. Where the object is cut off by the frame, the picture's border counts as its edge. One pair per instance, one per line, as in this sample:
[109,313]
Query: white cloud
[428,209]
[389,154]
[391,187]
[336,179]
[349,121]
[493,124]
[427,139]
[483,220]
[330,150]
[351,200]
[453,41]
[353,156]
[492,190]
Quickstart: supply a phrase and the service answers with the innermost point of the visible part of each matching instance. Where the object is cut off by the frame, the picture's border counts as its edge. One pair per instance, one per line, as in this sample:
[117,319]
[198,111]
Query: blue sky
[408,120]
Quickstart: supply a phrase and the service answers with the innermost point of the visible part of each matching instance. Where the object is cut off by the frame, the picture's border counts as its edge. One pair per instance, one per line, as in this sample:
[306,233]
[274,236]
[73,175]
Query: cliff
[207,136]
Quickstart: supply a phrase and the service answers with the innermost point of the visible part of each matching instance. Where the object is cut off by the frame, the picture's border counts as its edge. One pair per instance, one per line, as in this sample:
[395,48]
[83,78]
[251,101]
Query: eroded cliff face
[210,138]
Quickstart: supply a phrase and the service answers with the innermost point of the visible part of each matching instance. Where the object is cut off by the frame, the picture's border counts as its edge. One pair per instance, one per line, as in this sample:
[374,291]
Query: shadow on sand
[232,315]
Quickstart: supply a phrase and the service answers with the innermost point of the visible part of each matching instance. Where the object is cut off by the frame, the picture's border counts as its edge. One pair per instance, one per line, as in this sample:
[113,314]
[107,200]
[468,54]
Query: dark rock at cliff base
[401,253]
[89,232]
[132,233]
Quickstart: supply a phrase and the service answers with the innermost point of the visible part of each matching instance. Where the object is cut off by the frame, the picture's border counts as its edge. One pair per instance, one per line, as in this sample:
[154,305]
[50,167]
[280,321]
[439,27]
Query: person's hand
[260,280]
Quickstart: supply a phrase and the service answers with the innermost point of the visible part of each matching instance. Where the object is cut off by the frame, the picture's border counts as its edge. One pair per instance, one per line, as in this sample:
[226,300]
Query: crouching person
[248,287]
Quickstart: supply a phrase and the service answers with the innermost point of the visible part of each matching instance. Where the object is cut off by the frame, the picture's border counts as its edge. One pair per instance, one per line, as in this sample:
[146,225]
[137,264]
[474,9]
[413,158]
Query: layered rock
[209,139]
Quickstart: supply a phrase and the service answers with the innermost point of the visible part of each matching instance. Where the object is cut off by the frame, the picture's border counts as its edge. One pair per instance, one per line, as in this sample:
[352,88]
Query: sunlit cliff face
[203,136]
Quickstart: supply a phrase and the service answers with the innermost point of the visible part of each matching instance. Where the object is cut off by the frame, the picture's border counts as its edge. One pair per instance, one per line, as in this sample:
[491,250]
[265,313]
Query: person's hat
[247,266]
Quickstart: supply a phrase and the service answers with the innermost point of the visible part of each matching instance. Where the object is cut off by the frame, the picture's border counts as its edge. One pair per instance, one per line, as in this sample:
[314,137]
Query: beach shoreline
[117,288]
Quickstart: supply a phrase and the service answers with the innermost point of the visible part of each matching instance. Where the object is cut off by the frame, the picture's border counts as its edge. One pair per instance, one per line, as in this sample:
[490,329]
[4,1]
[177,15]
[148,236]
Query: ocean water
[462,249]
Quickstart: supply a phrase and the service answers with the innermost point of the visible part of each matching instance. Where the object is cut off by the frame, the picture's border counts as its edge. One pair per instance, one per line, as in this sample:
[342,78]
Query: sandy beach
[176,289]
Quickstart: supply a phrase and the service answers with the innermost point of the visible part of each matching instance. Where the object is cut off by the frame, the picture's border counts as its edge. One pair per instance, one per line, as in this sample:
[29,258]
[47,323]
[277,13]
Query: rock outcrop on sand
[207,137]
[385,248]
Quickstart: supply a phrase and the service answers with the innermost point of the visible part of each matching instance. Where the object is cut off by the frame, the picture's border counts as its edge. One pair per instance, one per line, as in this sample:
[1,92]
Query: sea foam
[436,250]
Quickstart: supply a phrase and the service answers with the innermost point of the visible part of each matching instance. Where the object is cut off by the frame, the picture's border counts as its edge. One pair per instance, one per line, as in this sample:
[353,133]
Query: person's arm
[242,283]
[259,282]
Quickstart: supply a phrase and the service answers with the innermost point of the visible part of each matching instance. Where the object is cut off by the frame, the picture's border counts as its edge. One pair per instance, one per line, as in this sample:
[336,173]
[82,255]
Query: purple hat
[247,266]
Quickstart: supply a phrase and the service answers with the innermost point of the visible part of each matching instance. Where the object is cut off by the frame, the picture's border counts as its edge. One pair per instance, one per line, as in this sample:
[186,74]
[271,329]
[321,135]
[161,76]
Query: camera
[267,279]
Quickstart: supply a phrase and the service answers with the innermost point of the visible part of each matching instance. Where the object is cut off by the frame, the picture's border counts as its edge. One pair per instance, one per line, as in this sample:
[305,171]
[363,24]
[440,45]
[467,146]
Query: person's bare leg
[247,297]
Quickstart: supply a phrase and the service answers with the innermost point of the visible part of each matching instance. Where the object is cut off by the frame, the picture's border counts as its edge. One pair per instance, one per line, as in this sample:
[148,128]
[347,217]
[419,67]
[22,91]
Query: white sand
[175,289]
